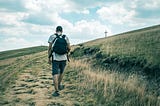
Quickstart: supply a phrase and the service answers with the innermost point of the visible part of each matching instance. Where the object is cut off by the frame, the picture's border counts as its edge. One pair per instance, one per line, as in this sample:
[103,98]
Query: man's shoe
[61,87]
[56,94]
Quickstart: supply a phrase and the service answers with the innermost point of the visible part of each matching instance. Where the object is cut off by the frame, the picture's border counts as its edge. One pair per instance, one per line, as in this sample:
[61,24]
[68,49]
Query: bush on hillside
[108,60]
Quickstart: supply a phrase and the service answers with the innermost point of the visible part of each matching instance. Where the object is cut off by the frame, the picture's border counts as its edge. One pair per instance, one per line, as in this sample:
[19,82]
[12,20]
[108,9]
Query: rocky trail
[34,87]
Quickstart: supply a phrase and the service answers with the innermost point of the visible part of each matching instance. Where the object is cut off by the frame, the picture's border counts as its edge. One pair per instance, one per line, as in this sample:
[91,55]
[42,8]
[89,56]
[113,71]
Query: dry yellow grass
[111,88]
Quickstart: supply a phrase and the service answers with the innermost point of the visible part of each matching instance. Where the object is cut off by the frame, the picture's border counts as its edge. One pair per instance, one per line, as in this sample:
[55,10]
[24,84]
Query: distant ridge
[141,29]
[21,52]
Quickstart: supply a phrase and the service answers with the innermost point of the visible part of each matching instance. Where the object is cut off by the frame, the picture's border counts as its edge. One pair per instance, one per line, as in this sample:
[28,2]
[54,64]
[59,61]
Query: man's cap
[59,29]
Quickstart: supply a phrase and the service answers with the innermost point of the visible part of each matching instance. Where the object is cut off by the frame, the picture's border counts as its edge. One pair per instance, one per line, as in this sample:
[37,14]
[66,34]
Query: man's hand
[49,61]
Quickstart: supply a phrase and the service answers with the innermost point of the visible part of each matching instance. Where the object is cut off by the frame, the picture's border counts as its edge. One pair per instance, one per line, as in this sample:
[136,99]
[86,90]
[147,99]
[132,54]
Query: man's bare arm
[69,47]
[49,53]
[49,50]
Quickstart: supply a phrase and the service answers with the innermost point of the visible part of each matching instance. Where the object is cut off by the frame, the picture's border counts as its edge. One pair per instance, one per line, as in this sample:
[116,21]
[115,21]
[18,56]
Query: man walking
[59,46]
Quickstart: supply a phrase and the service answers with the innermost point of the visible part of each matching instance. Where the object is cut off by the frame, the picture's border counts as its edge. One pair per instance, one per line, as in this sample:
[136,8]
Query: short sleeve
[51,38]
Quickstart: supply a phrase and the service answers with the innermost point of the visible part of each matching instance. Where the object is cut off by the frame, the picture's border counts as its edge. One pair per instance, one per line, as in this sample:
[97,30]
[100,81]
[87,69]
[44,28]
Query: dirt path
[34,87]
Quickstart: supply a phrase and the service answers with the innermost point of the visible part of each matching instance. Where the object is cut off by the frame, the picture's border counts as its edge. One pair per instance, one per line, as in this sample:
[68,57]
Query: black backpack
[60,45]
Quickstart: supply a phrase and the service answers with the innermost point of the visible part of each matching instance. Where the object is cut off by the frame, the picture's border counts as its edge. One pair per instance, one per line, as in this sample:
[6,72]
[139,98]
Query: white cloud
[88,30]
[116,14]
[151,4]
[15,40]
[33,5]
[85,12]
[12,18]
[12,5]
[143,4]
[15,43]
[82,30]
[52,6]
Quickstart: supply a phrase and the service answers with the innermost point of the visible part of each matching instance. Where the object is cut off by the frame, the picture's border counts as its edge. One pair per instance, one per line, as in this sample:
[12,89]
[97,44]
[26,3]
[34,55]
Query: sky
[26,23]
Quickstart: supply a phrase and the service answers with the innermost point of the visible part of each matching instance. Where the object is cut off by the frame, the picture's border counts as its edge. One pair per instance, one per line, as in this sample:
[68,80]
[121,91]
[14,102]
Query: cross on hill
[105,33]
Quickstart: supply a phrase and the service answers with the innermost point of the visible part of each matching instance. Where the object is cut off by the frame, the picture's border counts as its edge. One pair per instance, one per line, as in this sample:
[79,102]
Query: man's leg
[56,93]
[60,78]
[62,67]
[55,82]
[55,67]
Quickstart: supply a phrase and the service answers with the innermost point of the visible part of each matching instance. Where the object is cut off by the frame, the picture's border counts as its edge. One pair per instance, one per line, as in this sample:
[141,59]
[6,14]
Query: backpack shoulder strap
[55,38]
[63,36]
[54,41]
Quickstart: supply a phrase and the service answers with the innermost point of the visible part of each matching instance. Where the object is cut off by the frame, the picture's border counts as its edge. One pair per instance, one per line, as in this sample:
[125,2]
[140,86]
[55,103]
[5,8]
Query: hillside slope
[84,85]
[21,52]
[136,49]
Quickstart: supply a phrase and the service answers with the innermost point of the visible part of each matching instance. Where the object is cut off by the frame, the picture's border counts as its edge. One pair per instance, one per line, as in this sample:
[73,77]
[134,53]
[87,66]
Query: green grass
[141,43]
[139,48]
[21,52]
[13,62]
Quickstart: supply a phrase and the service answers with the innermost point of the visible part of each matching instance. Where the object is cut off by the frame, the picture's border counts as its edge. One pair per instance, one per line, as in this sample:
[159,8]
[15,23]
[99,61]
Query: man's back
[56,56]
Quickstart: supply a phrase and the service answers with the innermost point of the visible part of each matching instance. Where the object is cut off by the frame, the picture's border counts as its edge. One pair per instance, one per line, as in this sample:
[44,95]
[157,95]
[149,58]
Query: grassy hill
[131,57]
[139,49]
[21,52]
[120,70]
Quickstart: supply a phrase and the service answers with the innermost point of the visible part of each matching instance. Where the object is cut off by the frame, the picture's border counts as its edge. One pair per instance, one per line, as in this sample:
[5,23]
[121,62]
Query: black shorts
[58,67]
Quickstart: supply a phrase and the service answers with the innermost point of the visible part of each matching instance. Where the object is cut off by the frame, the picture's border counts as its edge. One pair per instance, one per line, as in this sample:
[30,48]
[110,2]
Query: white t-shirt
[56,56]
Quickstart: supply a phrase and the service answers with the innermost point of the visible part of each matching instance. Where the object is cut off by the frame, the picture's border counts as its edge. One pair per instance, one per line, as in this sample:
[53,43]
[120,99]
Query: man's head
[59,29]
